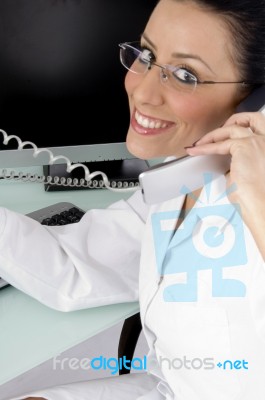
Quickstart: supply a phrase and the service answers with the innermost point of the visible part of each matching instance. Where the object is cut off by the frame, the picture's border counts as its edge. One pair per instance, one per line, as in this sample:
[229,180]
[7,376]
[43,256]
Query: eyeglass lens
[140,60]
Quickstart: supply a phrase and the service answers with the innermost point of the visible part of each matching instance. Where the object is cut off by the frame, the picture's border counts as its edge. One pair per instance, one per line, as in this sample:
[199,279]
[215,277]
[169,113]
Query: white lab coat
[193,319]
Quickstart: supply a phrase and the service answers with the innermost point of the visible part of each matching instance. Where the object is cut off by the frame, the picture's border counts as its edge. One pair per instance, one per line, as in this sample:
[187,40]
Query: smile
[149,123]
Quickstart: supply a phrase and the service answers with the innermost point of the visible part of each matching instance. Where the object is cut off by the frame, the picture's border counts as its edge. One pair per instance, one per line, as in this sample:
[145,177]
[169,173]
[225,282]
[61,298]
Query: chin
[136,151]
[142,149]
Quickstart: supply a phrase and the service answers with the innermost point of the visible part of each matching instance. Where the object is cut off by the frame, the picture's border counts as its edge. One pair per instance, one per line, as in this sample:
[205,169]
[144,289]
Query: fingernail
[193,145]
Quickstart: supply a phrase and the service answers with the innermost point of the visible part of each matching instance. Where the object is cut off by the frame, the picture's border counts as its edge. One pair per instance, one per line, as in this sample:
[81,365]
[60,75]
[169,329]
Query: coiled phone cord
[87,181]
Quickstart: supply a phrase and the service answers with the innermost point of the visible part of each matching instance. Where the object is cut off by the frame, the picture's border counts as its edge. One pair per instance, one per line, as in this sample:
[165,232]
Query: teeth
[147,123]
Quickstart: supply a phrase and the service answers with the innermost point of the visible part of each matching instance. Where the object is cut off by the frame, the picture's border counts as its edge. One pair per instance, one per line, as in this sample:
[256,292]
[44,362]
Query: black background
[61,81]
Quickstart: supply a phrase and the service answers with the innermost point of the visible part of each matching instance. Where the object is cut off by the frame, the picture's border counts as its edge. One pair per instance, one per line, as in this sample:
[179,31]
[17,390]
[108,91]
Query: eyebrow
[180,55]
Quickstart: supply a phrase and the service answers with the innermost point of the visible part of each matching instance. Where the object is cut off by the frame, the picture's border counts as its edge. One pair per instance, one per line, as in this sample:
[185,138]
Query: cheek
[191,113]
[201,113]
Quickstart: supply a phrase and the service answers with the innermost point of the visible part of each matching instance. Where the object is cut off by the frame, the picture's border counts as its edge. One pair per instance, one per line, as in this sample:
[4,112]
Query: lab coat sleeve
[91,263]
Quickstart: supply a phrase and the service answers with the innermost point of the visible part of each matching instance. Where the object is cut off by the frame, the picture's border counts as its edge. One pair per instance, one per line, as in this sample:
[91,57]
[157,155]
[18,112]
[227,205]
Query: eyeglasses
[139,60]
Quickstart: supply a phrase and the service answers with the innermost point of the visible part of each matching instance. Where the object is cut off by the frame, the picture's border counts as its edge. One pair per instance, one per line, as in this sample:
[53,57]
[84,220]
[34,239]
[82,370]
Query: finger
[211,148]
[254,120]
[224,133]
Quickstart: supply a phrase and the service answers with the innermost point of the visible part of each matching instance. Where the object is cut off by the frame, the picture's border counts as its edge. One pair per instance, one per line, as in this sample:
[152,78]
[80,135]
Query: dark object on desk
[61,213]
[121,173]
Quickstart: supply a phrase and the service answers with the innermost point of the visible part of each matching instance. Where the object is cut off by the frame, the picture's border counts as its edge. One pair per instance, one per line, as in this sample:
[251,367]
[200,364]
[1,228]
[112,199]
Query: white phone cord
[61,181]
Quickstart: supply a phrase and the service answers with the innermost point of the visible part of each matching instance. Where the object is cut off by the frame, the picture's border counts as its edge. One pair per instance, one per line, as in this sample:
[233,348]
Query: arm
[91,263]
[243,136]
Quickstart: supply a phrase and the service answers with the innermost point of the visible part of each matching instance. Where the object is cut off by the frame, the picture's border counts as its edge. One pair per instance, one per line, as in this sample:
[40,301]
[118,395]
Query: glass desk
[31,333]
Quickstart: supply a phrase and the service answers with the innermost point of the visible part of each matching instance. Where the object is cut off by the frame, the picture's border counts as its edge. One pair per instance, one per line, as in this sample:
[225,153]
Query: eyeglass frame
[170,68]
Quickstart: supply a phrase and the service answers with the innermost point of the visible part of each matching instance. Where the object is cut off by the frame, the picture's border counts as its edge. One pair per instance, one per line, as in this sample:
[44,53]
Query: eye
[146,56]
[184,76]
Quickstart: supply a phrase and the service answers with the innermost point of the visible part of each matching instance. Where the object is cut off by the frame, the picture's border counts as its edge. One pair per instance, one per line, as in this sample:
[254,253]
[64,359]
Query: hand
[242,136]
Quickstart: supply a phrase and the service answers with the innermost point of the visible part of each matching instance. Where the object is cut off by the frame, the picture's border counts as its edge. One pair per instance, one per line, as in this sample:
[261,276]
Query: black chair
[130,333]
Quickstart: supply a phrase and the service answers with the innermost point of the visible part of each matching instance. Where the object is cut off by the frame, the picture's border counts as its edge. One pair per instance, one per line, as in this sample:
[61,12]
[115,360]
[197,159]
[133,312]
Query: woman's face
[164,119]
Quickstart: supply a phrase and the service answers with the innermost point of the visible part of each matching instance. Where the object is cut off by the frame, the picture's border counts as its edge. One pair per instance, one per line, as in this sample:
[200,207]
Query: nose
[164,77]
[148,88]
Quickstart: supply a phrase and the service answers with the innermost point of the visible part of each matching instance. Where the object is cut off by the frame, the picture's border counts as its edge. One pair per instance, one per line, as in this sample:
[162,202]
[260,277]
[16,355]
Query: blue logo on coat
[209,238]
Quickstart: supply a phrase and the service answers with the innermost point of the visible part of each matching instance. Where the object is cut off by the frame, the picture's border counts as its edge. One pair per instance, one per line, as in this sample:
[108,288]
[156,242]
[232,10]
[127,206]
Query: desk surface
[31,333]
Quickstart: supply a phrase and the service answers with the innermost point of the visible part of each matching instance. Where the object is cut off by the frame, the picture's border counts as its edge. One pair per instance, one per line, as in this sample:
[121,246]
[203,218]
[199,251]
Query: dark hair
[246,22]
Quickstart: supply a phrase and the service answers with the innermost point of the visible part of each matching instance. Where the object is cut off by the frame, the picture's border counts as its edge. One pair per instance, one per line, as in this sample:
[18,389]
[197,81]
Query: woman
[203,315]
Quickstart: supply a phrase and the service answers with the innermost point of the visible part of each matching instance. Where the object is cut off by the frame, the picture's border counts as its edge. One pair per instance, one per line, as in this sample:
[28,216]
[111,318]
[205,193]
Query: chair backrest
[130,332]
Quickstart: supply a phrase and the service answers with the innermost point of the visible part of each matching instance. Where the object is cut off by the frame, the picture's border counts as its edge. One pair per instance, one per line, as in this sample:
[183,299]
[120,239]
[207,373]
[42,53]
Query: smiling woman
[185,109]
[196,262]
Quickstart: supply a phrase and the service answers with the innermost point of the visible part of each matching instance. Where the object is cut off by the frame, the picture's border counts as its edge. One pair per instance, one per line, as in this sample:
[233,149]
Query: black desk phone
[166,180]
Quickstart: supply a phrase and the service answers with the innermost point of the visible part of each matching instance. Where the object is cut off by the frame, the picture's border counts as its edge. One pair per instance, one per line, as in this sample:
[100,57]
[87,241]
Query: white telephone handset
[166,180]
